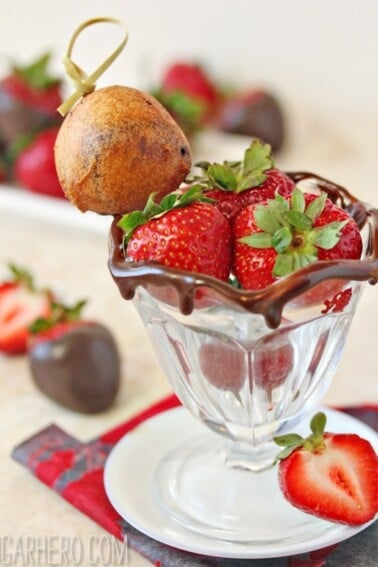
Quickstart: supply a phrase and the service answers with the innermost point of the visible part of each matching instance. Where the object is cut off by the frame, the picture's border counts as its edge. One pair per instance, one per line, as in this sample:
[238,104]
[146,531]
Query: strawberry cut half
[19,307]
[332,476]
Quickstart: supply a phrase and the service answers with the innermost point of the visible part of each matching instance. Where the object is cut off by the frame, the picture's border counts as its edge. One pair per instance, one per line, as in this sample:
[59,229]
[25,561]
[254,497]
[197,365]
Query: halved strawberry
[330,475]
[183,231]
[235,185]
[60,319]
[20,305]
[280,236]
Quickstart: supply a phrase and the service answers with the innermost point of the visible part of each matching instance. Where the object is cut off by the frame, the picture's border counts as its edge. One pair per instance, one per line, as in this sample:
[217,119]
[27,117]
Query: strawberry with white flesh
[280,236]
[331,475]
[236,184]
[184,231]
[60,319]
[20,304]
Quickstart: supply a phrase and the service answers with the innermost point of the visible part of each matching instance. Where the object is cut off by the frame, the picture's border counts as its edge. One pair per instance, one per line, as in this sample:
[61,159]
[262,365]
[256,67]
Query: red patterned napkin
[75,471]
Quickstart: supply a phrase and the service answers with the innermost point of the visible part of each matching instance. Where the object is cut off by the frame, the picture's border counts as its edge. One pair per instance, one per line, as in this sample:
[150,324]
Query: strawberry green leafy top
[288,227]
[36,74]
[129,222]
[238,176]
[292,441]
[60,313]
[233,176]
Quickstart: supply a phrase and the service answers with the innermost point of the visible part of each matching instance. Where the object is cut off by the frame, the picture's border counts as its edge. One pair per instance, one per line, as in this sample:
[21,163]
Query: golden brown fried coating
[115,147]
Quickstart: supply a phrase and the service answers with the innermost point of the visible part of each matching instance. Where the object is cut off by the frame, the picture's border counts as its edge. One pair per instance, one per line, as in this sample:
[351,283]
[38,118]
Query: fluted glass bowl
[249,366]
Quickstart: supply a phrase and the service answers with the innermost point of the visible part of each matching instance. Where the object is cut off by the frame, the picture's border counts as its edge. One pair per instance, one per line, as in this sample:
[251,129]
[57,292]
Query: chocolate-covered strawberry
[235,184]
[29,97]
[255,113]
[74,361]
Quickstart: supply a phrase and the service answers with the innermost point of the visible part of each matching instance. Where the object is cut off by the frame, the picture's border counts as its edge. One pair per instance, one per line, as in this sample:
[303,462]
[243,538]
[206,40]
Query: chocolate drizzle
[270,301]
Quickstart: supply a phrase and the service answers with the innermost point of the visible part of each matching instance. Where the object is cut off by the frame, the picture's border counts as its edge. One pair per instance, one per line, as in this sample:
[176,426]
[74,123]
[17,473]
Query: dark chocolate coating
[260,117]
[18,119]
[80,370]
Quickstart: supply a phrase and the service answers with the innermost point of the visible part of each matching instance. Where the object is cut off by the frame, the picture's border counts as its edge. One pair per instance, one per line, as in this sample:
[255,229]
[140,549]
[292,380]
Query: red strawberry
[20,305]
[254,113]
[3,171]
[29,97]
[272,363]
[74,361]
[330,475]
[231,203]
[188,112]
[283,235]
[192,80]
[34,86]
[189,94]
[224,365]
[234,185]
[181,232]
[34,167]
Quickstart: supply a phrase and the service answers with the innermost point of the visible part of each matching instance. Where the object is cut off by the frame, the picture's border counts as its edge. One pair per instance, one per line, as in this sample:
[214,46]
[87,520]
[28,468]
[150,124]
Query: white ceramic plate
[129,477]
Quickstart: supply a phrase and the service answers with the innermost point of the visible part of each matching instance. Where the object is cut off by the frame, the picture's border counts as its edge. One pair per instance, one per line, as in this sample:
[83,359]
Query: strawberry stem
[36,73]
[60,313]
[131,221]
[186,109]
[22,276]
[292,441]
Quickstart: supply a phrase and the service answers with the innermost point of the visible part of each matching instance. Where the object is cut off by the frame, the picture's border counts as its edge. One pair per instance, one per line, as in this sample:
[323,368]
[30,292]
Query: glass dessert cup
[249,366]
